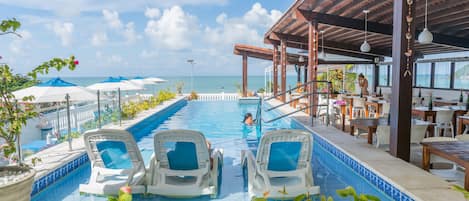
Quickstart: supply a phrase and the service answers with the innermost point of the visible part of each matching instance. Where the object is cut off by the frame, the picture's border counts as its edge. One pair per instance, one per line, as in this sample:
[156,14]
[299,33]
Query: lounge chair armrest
[293,173]
[169,172]
[107,171]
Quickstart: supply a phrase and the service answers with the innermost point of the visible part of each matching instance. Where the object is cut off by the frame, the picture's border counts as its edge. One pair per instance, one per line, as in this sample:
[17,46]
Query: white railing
[218,97]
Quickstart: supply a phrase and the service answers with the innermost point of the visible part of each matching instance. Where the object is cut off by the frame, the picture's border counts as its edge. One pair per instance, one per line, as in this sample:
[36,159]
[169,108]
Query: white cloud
[17,45]
[99,39]
[64,31]
[112,18]
[260,16]
[152,13]
[173,30]
[115,59]
[243,29]
[148,54]
[129,33]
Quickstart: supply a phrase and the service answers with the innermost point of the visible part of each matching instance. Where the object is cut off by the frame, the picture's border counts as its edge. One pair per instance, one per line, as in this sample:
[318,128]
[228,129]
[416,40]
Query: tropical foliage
[13,116]
[125,194]
[131,109]
[345,193]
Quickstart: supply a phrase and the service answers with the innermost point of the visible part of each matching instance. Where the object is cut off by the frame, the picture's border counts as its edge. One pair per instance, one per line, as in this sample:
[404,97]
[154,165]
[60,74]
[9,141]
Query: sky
[138,37]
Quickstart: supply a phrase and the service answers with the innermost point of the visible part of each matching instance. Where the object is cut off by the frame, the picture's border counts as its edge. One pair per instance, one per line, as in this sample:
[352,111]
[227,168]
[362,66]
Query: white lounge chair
[283,161]
[115,162]
[182,166]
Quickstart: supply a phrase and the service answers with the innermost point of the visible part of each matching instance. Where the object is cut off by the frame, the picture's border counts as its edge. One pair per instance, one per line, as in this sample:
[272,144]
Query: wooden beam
[374,27]
[275,69]
[333,45]
[313,65]
[283,69]
[401,99]
[245,74]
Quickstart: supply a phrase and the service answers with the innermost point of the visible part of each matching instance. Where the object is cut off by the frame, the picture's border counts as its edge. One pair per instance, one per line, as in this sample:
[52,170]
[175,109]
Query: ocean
[201,84]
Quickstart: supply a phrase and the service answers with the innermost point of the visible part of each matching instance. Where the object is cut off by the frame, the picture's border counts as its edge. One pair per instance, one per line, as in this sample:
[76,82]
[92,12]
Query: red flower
[126,189]
[76,62]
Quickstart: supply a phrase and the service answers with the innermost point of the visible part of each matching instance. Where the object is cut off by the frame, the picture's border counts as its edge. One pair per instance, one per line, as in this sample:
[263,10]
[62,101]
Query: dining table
[349,102]
[462,121]
[371,124]
[425,113]
[376,104]
[441,102]
[456,151]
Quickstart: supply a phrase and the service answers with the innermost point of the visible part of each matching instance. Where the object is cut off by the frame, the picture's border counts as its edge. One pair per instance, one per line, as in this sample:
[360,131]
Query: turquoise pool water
[221,124]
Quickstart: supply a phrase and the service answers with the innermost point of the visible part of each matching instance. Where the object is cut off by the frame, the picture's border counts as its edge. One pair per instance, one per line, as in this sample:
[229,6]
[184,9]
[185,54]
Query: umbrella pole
[99,111]
[67,97]
[119,102]
[58,121]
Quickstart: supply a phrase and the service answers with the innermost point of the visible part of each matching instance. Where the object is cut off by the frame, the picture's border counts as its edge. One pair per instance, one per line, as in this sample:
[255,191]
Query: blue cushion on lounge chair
[114,155]
[284,156]
[183,157]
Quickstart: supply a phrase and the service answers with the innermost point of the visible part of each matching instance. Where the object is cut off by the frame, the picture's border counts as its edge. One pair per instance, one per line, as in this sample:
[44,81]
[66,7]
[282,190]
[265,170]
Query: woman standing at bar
[363,83]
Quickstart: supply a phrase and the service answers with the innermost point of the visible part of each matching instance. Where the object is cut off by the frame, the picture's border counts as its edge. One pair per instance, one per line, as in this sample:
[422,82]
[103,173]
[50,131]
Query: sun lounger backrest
[284,150]
[112,148]
[190,149]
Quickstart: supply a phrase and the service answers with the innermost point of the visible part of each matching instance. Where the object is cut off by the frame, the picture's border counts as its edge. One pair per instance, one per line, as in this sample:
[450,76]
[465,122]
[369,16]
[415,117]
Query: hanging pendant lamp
[425,37]
[365,47]
[323,54]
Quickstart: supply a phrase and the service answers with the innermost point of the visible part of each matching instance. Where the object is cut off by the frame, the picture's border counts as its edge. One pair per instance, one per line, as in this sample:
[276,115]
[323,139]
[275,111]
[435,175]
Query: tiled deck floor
[408,177]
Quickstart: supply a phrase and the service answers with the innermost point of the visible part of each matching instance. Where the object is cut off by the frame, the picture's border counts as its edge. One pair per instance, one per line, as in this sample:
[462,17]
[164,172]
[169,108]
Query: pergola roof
[343,24]
[267,54]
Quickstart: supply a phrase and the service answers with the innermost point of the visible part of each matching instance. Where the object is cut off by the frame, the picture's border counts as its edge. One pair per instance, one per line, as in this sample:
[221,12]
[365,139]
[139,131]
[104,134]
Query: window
[461,75]
[383,75]
[423,74]
[390,75]
[442,75]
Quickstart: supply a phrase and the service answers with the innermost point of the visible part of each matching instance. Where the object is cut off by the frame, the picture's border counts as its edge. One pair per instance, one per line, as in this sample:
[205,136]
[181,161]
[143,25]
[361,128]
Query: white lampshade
[301,59]
[425,37]
[322,55]
[365,47]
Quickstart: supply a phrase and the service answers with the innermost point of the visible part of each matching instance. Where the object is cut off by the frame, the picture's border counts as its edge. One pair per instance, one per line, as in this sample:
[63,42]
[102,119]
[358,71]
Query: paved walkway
[58,155]
[407,177]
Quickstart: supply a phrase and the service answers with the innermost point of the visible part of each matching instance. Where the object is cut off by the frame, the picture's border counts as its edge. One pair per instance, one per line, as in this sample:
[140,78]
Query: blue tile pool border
[52,177]
[379,182]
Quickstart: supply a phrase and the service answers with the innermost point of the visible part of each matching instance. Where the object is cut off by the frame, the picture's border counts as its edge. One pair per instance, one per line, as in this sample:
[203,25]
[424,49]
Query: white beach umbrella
[142,81]
[112,84]
[57,90]
[155,80]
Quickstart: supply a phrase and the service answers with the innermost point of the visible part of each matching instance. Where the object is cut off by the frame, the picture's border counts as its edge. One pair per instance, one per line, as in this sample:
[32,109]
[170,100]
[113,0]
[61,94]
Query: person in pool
[248,119]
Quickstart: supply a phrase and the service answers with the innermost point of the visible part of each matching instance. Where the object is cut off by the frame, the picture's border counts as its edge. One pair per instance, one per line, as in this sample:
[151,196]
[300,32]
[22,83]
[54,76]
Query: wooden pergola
[393,26]
[268,54]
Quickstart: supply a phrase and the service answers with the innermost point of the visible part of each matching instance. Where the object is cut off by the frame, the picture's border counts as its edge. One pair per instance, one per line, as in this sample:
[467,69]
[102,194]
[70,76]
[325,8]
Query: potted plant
[17,178]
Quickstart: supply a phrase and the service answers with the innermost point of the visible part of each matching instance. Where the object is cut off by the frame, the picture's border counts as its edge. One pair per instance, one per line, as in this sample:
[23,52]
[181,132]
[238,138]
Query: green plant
[462,190]
[261,90]
[131,109]
[193,96]
[350,192]
[13,116]
[179,86]
[238,87]
[64,138]
[125,194]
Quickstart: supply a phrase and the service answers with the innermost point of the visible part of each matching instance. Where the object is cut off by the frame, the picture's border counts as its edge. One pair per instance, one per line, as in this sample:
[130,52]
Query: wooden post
[298,73]
[275,69]
[283,66]
[313,64]
[245,74]
[376,77]
[402,60]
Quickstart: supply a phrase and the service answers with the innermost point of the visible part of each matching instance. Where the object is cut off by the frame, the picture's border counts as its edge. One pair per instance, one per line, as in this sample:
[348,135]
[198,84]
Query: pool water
[221,123]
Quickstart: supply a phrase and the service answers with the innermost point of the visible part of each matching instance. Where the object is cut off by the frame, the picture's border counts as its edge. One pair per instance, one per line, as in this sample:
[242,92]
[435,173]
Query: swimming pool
[221,123]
